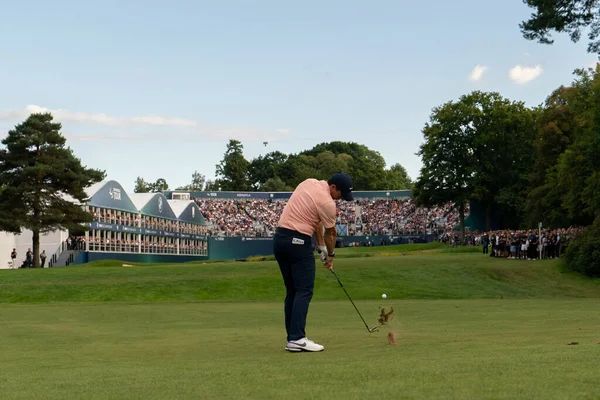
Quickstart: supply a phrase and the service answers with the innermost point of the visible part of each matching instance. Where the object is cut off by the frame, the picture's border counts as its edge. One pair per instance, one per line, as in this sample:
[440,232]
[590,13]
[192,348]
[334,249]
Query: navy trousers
[294,254]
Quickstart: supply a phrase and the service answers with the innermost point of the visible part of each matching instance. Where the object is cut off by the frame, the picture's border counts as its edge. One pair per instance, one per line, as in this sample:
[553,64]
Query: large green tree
[564,188]
[448,159]
[556,125]
[579,166]
[479,147]
[396,178]
[297,168]
[366,166]
[275,185]
[44,183]
[505,153]
[327,163]
[263,168]
[232,171]
[569,16]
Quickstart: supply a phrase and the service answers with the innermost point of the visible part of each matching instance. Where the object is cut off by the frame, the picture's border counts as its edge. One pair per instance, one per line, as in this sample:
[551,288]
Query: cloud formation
[521,74]
[96,118]
[187,130]
[477,73]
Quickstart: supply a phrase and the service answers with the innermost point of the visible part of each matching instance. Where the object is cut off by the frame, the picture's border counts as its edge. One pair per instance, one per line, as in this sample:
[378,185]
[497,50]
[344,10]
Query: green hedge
[583,253]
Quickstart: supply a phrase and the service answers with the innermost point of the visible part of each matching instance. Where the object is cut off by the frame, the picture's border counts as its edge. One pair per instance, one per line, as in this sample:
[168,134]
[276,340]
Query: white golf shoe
[303,344]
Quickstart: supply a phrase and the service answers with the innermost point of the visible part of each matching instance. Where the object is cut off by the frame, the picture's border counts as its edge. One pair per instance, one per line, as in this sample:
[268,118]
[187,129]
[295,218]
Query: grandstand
[143,223]
[127,226]
[182,226]
[371,214]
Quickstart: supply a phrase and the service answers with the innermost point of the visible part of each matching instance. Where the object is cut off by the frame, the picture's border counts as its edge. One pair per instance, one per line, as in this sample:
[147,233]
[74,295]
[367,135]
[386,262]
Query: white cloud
[188,130]
[95,118]
[477,73]
[521,74]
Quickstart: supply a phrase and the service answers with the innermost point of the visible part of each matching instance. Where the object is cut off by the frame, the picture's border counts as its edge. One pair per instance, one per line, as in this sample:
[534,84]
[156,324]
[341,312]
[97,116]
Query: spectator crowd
[517,244]
[258,217]
[371,217]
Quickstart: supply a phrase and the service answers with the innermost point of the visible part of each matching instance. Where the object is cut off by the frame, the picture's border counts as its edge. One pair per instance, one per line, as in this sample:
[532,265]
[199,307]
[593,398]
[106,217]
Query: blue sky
[155,90]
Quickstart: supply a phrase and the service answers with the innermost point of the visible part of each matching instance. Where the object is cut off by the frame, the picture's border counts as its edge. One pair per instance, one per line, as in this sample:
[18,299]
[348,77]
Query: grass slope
[413,276]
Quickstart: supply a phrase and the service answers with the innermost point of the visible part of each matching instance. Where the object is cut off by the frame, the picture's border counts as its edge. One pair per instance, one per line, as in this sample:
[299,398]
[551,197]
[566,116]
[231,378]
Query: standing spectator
[43,258]
[13,256]
[29,258]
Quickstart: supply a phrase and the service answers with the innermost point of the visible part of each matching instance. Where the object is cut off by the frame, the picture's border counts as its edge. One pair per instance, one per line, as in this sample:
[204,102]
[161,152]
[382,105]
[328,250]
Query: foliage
[198,183]
[396,178]
[44,183]
[565,188]
[141,186]
[212,186]
[266,167]
[568,16]
[275,185]
[365,166]
[277,171]
[480,147]
[448,158]
[160,185]
[583,253]
[232,171]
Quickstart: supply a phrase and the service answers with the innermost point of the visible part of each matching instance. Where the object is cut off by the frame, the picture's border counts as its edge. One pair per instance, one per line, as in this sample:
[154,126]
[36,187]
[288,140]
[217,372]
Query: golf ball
[383,296]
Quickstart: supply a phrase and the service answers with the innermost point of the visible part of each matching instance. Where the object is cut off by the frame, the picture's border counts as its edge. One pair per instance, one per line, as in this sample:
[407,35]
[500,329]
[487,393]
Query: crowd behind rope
[258,217]
[517,244]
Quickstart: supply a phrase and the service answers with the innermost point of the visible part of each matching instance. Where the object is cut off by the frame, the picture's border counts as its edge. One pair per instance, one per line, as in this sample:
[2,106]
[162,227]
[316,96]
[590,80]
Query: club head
[374,329]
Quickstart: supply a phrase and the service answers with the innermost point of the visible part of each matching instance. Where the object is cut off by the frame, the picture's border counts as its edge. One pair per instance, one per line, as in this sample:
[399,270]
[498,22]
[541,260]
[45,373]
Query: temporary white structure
[51,242]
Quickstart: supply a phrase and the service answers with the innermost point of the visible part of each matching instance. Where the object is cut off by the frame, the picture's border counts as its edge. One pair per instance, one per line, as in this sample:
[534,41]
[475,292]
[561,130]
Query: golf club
[371,330]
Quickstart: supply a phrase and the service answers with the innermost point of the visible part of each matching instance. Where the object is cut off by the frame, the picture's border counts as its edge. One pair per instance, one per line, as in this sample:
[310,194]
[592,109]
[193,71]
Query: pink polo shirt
[310,204]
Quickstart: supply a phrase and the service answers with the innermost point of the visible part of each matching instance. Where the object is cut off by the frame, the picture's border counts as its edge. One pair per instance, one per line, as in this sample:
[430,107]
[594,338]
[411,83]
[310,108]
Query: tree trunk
[36,248]
[461,213]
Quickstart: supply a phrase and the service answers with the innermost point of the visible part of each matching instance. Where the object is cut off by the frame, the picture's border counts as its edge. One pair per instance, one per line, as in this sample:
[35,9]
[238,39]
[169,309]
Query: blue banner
[376,194]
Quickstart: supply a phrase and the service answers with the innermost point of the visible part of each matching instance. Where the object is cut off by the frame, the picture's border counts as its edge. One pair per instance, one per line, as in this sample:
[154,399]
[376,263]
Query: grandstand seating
[258,217]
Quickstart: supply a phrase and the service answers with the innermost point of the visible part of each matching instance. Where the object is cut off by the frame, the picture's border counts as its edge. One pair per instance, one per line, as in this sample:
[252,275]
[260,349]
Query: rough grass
[413,276]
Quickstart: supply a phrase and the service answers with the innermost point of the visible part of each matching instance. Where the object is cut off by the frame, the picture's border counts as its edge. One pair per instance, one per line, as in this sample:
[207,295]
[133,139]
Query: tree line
[530,164]
[280,172]
[565,187]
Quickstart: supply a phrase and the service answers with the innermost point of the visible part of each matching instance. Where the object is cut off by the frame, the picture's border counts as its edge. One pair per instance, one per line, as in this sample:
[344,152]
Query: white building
[51,242]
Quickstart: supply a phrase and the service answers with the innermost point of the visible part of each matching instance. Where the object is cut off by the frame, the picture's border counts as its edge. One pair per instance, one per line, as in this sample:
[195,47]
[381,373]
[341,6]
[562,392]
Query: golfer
[310,210]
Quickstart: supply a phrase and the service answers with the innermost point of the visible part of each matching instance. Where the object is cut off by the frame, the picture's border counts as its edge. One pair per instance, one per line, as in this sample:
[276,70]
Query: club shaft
[349,298]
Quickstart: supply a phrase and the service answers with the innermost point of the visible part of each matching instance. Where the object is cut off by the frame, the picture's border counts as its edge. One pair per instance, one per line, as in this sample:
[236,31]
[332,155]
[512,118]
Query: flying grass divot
[386,318]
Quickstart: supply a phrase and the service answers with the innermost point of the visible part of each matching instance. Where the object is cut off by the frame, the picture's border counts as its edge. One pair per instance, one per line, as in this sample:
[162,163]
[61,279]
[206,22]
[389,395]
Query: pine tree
[42,181]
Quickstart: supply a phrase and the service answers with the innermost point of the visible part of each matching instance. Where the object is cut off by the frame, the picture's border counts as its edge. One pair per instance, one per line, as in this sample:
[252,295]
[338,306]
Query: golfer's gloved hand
[322,250]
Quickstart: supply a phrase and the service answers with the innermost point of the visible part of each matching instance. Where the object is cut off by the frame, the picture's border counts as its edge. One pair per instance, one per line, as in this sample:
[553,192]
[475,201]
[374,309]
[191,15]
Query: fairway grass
[449,349]
[468,327]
